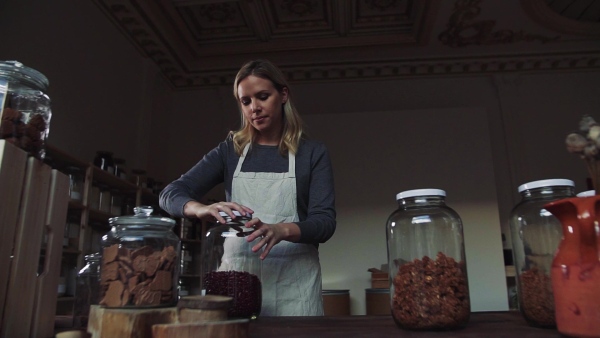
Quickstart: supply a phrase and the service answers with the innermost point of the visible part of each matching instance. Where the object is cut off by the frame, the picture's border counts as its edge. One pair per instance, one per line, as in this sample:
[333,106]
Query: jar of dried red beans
[230,268]
[140,261]
[426,257]
[25,107]
[536,234]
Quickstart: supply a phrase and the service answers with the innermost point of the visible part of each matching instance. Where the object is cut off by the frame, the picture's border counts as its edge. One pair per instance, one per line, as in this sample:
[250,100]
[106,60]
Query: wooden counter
[481,324]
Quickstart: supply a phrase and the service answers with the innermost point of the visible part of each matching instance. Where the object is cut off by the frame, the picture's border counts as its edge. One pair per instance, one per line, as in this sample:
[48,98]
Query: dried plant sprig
[586,143]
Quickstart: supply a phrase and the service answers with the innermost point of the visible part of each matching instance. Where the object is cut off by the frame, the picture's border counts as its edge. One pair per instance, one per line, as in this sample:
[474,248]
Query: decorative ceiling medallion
[574,17]
[463,29]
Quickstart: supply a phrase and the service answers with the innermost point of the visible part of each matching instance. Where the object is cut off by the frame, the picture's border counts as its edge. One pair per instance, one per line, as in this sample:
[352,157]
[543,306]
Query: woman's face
[262,106]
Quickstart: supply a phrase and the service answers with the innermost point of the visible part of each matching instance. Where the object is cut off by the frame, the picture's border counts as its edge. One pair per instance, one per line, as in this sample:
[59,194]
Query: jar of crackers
[25,107]
[140,261]
[426,257]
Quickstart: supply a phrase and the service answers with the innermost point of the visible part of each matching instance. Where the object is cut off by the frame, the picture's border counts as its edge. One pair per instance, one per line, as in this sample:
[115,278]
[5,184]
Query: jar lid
[235,213]
[557,182]
[587,193]
[19,71]
[420,192]
[142,217]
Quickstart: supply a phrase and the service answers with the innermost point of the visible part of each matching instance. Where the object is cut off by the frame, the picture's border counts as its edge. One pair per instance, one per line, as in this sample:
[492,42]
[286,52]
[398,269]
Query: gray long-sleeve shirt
[314,183]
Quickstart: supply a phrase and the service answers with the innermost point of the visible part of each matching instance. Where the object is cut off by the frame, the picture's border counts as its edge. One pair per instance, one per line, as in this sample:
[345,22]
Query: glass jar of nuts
[140,261]
[230,268]
[25,107]
[426,257]
[536,234]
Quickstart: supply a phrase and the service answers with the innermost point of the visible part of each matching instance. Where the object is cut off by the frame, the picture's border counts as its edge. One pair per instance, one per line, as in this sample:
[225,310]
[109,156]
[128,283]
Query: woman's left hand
[270,234]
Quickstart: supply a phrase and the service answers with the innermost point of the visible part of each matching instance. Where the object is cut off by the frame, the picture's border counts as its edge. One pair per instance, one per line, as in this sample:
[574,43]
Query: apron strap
[238,168]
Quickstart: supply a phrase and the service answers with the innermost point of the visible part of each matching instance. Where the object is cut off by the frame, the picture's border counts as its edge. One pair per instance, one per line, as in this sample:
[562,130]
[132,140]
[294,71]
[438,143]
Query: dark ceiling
[198,43]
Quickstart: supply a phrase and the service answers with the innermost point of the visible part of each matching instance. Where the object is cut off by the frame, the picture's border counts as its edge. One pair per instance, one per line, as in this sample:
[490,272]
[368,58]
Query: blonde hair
[292,123]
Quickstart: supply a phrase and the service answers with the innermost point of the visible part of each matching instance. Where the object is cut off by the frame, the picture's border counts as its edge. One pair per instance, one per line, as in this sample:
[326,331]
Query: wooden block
[20,297]
[12,173]
[47,281]
[127,323]
[237,328]
[199,308]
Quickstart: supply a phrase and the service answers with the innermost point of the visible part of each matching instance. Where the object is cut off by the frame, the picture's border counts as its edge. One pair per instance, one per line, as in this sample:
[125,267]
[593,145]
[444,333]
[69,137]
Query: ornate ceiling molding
[588,25]
[201,43]
[464,29]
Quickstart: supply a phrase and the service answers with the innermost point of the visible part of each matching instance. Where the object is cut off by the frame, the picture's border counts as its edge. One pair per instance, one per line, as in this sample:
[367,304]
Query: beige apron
[291,273]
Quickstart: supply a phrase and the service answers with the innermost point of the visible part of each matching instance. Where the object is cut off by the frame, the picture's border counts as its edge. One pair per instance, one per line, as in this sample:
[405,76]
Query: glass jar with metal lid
[230,268]
[25,107]
[426,256]
[87,289]
[535,235]
[140,261]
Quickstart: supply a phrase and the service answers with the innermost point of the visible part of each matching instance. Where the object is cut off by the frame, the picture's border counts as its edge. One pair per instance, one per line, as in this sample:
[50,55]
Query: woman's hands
[271,234]
[194,209]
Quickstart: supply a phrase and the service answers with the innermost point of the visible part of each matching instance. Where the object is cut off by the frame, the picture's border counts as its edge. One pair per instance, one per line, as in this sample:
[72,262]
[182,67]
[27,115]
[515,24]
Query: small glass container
[104,160]
[186,260]
[138,177]
[120,170]
[25,107]
[75,182]
[87,290]
[73,230]
[140,261]
[536,234]
[426,257]
[94,197]
[105,199]
[116,202]
[230,268]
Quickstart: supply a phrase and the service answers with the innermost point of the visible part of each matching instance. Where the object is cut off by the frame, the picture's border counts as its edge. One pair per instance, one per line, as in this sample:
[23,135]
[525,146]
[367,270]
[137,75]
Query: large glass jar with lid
[429,286]
[87,289]
[140,261]
[25,107]
[535,235]
[230,268]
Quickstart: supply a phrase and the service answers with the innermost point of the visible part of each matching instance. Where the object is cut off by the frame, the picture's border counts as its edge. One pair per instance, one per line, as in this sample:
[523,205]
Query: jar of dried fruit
[140,261]
[426,257]
[230,268]
[25,107]
[536,234]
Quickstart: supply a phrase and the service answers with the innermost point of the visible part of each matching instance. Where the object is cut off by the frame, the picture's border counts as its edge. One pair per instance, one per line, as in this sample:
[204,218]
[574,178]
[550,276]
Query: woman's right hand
[194,209]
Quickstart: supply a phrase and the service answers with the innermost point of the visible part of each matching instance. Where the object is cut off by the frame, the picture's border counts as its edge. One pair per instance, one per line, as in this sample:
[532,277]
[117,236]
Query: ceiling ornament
[463,29]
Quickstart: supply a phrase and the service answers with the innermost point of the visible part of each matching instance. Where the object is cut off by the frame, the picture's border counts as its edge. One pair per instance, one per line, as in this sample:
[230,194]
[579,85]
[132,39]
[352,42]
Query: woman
[271,170]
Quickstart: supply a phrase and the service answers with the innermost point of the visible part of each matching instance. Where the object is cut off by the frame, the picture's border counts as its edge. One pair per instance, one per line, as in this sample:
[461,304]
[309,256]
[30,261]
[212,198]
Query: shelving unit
[86,223]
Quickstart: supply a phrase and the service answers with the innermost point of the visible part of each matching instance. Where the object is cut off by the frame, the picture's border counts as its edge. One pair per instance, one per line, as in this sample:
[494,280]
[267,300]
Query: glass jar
[138,177]
[105,198]
[75,182]
[25,107]
[536,234]
[230,268]
[140,261]
[116,202]
[120,170]
[87,289]
[426,257]
[186,260]
[104,160]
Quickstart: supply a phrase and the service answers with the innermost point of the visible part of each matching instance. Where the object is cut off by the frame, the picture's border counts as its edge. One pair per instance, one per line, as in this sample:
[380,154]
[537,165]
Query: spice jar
[230,268]
[426,257]
[87,289]
[75,182]
[140,261]
[26,107]
[536,234]
[104,160]
[120,170]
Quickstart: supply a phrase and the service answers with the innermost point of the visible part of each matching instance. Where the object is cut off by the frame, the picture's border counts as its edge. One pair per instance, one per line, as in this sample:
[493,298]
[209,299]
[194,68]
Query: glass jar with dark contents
[426,257]
[230,268]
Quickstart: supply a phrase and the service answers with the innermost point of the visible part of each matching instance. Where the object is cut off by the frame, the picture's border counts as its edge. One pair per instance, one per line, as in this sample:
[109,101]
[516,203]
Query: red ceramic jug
[576,266]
